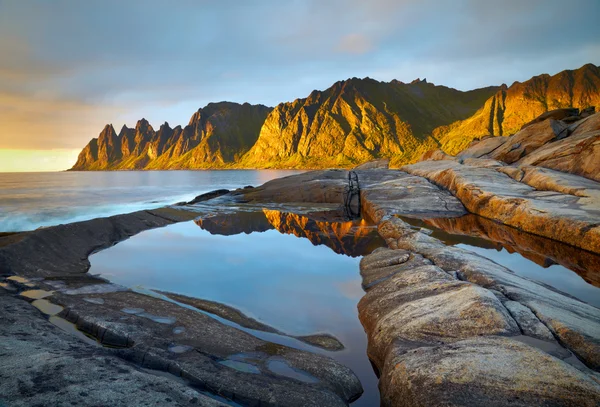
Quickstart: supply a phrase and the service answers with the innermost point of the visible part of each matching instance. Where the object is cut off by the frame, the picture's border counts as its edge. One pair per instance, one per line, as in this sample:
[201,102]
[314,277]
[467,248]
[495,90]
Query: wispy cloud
[355,44]
[69,66]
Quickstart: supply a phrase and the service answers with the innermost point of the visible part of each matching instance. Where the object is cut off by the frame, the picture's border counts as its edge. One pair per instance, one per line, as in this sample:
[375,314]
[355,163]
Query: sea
[31,200]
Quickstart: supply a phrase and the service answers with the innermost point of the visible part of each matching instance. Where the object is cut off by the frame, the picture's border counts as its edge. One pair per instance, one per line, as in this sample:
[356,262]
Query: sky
[68,67]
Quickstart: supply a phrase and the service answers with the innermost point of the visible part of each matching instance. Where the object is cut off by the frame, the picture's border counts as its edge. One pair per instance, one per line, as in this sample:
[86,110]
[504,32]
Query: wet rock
[98,301]
[490,371]
[42,365]
[213,340]
[528,322]
[207,196]
[222,310]
[64,249]
[96,289]
[323,341]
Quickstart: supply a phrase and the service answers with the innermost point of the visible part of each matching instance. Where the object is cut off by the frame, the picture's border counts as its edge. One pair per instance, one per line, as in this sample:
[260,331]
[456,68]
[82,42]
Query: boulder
[529,139]
[310,187]
[577,154]
[435,155]
[482,148]
[556,114]
[487,371]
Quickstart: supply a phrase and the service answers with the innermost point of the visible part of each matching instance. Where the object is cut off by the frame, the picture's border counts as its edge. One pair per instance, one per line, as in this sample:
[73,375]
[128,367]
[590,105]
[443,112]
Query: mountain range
[351,122]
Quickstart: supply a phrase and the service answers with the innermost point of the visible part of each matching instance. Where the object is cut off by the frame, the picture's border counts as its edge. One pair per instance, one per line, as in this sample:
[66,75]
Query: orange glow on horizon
[12,160]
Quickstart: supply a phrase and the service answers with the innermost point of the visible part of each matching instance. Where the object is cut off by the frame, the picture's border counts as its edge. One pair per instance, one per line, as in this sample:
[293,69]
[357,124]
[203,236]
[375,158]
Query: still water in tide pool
[255,262]
[279,279]
[30,200]
[566,268]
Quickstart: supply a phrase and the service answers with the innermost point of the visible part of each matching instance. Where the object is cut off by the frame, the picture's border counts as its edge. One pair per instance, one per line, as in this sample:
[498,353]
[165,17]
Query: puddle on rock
[8,286]
[47,307]
[36,294]
[96,289]
[97,301]
[132,311]
[70,328]
[180,348]
[281,367]
[298,274]
[157,318]
[18,279]
[568,269]
[178,330]
[241,366]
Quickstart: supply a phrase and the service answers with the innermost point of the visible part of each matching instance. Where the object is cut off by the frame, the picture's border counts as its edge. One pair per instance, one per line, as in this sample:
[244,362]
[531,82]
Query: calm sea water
[31,200]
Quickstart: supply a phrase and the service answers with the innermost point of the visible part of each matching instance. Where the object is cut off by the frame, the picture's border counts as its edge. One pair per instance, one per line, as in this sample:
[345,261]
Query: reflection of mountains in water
[480,232]
[352,238]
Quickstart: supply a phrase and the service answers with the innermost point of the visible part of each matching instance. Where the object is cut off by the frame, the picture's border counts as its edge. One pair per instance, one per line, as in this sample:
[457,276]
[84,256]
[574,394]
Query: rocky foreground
[445,326]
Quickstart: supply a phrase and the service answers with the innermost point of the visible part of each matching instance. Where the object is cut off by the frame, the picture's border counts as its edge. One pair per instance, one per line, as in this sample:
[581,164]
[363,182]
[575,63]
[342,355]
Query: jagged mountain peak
[352,121]
[143,125]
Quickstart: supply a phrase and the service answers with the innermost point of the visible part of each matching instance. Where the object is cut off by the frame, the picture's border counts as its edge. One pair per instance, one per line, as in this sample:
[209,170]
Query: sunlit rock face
[352,122]
[216,135]
[357,120]
[352,238]
[510,108]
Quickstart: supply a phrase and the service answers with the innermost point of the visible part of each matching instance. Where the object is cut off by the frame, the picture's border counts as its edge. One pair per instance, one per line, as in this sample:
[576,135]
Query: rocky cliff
[357,120]
[504,113]
[216,135]
[353,121]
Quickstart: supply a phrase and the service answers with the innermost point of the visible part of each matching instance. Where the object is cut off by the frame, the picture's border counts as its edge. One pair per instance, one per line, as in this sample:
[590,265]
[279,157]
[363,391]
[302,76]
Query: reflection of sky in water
[556,276]
[279,279]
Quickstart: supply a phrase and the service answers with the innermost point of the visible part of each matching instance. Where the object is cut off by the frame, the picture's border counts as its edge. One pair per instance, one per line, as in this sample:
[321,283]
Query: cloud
[69,66]
[355,44]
